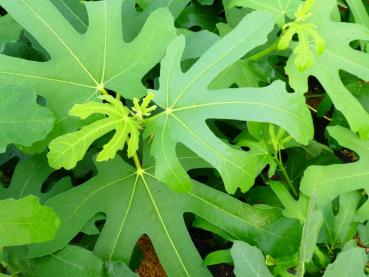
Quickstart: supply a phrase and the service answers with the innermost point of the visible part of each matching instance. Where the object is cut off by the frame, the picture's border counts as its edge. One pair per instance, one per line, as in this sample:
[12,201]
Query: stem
[137,161]
[284,173]
[103,91]
[264,52]
[316,111]
[323,259]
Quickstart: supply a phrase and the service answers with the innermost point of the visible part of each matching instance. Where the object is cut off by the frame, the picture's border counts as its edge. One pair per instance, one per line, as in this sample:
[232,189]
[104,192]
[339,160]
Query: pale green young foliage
[67,150]
[219,257]
[248,260]
[305,32]
[140,204]
[25,221]
[82,63]
[188,103]
[302,52]
[337,56]
[22,120]
[140,111]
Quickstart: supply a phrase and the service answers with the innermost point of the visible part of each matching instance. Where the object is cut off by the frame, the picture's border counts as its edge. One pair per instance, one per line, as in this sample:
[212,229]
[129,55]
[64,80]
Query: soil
[204,242]
[150,265]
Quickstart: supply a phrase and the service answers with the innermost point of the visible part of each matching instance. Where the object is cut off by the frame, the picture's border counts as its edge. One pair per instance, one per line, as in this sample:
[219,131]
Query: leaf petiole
[137,162]
[278,158]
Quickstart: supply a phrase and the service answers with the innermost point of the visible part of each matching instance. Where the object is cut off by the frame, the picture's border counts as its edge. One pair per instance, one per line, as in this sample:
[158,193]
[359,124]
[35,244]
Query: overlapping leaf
[339,227]
[310,233]
[332,181]
[248,260]
[188,103]
[140,204]
[80,64]
[28,179]
[135,19]
[349,263]
[337,56]
[9,30]
[67,150]
[32,124]
[74,261]
[25,221]
[280,9]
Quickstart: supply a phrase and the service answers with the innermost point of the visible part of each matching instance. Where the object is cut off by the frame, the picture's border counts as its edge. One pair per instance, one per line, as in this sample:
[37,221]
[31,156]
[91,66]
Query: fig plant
[178,119]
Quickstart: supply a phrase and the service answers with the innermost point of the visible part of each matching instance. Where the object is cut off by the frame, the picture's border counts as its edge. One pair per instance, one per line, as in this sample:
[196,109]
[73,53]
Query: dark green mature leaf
[244,73]
[280,9]
[136,19]
[75,12]
[197,43]
[32,124]
[358,10]
[25,221]
[339,227]
[338,55]
[9,30]
[188,103]
[140,204]
[332,181]
[28,179]
[292,208]
[195,15]
[81,64]
[248,260]
[74,261]
[348,263]
[310,233]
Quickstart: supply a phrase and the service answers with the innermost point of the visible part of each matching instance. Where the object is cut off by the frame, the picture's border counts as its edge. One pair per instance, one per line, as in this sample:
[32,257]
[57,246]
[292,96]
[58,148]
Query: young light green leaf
[337,56]
[280,9]
[67,150]
[306,32]
[310,233]
[25,221]
[332,181]
[140,204]
[82,63]
[22,120]
[248,260]
[348,263]
[188,103]
[218,257]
